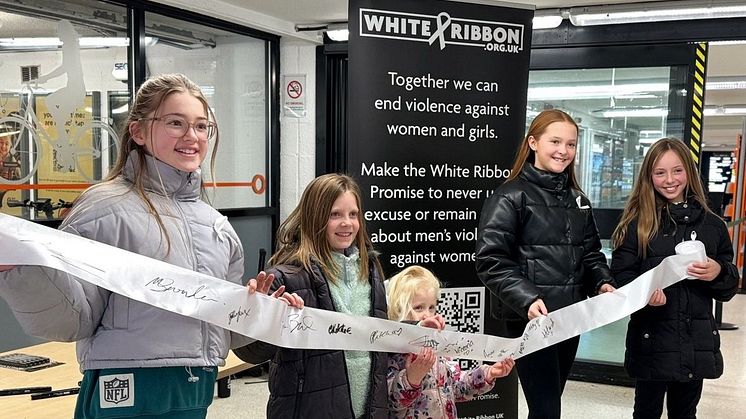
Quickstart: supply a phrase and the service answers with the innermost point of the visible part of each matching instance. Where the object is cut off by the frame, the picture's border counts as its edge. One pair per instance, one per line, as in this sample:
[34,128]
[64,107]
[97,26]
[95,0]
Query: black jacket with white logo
[537,239]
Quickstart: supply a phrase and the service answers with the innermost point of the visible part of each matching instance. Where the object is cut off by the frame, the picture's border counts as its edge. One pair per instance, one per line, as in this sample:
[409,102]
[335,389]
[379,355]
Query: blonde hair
[403,287]
[302,239]
[148,100]
[537,128]
[646,205]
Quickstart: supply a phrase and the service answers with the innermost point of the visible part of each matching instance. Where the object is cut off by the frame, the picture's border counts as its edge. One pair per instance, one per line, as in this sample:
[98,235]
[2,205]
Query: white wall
[298,135]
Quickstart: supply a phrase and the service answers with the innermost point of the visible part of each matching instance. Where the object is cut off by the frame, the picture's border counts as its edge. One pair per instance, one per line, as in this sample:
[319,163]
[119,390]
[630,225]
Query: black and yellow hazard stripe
[698,100]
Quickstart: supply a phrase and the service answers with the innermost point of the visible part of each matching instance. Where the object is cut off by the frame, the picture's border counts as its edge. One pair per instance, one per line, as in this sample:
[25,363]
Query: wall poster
[437,106]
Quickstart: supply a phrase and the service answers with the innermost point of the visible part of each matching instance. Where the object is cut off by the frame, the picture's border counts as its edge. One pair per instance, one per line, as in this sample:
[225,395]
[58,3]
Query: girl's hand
[536,309]
[499,369]
[291,299]
[417,366]
[261,283]
[606,288]
[658,298]
[4,268]
[705,271]
[435,322]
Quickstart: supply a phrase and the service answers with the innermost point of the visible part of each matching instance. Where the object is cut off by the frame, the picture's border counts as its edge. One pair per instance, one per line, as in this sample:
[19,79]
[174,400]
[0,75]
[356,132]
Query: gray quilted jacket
[113,331]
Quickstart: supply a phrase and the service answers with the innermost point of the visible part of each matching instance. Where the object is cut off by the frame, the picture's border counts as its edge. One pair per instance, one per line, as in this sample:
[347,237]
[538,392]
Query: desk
[64,376]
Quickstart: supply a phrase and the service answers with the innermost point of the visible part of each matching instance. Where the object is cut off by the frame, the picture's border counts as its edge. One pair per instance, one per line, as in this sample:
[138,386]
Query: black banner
[437,108]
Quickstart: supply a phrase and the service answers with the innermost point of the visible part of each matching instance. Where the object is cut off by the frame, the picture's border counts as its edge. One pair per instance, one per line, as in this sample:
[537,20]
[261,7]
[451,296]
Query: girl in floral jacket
[425,385]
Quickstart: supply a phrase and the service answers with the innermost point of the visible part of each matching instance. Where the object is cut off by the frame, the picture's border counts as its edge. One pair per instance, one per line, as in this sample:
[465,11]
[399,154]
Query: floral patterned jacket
[439,391]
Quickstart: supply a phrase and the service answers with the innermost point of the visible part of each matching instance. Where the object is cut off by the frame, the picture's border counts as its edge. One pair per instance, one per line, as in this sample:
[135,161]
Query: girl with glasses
[162,364]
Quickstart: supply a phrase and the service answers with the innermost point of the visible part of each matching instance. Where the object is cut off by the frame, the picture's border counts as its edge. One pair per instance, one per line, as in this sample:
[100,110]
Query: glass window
[57,61]
[232,72]
[620,112]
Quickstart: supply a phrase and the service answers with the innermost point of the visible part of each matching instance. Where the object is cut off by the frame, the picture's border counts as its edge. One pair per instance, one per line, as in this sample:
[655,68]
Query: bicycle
[41,205]
[90,147]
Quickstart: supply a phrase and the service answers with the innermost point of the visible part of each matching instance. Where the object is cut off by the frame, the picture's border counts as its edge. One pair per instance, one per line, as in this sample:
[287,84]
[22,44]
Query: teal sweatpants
[166,392]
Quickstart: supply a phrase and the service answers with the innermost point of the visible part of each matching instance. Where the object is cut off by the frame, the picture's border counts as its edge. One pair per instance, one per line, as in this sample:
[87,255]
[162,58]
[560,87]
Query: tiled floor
[722,398]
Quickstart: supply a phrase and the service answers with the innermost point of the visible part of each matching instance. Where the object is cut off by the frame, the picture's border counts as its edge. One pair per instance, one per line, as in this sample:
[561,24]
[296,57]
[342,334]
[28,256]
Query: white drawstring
[192,378]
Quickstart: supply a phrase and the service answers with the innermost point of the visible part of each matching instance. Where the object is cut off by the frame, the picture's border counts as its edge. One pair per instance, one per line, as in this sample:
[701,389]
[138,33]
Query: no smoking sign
[294,103]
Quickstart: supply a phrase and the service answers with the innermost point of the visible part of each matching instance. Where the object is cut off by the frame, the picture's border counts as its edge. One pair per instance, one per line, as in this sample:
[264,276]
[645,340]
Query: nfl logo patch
[116,390]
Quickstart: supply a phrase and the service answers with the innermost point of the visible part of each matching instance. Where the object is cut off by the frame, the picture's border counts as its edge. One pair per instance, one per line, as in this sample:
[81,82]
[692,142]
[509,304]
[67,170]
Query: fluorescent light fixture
[547,22]
[337,31]
[595,92]
[338,34]
[548,18]
[636,112]
[727,110]
[654,12]
[732,42]
[85,42]
[725,83]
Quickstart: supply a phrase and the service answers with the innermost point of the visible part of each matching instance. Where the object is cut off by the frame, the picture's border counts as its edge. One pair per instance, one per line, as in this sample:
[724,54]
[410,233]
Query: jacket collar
[687,212]
[176,183]
[543,178]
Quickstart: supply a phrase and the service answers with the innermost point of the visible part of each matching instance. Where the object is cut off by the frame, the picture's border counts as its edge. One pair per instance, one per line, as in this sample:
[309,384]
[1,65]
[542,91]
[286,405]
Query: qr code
[463,310]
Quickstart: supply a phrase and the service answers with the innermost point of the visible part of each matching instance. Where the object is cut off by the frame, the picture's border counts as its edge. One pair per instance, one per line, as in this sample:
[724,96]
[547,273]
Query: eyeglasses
[177,126]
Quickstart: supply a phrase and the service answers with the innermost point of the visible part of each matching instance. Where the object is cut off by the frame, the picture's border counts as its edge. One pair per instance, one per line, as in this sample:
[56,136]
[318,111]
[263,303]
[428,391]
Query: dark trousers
[681,399]
[543,375]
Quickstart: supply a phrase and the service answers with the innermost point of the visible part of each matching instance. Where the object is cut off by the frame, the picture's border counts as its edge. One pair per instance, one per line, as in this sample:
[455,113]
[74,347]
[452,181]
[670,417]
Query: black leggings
[681,400]
[543,375]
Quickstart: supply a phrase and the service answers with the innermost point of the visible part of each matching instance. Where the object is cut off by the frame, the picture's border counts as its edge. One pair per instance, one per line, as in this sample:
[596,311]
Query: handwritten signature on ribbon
[159,284]
[297,324]
[378,334]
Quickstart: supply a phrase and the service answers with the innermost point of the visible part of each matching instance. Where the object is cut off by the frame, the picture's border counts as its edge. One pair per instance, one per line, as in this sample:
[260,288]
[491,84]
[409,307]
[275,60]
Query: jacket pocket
[642,342]
[531,270]
[116,315]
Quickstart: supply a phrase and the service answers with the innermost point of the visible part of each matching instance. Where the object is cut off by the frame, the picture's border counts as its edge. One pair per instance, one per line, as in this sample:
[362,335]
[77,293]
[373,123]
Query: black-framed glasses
[177,126]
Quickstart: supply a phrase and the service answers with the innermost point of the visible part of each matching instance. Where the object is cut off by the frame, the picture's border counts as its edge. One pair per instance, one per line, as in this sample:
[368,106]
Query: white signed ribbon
[263,318]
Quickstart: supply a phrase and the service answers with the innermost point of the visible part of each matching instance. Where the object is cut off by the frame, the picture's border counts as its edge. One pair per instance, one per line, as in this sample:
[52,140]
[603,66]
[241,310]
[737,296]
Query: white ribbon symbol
[443,20]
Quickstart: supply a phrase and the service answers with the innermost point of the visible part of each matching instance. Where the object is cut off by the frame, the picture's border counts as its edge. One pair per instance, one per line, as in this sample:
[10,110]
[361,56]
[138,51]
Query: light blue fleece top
[352,296]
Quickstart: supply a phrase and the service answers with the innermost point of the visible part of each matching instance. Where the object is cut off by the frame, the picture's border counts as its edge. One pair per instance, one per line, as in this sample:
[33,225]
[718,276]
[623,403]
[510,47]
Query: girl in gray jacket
[139,360]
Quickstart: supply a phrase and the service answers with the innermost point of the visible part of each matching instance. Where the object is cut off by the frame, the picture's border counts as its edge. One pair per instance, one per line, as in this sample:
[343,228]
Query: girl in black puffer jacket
[324,256]
[673,343]
[538,250]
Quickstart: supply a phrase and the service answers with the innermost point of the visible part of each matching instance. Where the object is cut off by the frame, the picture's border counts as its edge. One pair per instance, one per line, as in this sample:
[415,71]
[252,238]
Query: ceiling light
[595,92]
[337,31]
[731,42]
[633,112]
[84,42]
[546,22]
[548,18]
[725,83]
[725,110]
[338,34]
[654,12]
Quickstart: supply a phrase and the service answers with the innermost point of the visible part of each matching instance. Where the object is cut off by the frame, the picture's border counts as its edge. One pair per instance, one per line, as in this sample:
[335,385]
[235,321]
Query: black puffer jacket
[313,383]
[678,341]
[538,239]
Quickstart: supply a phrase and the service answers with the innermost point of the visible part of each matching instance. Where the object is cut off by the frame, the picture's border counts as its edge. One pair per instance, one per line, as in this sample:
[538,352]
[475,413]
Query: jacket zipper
[301,380]
[373,357]
[189,244]
[299,394]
